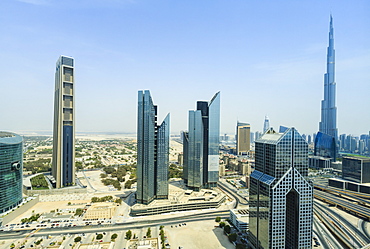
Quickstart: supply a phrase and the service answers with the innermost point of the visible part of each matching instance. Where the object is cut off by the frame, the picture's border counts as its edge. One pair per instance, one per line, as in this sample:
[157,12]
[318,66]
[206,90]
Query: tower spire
[328,124]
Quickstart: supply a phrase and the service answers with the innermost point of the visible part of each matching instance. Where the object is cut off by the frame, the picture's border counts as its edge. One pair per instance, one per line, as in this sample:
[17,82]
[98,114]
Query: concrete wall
[18,211]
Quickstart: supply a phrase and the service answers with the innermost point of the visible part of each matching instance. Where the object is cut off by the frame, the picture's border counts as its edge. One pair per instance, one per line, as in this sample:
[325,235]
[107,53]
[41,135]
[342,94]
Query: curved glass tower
[11,167]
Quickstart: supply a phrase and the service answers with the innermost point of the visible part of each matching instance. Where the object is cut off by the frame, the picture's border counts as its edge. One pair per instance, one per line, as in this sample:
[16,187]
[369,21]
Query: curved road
[239,199]
[354,230]
[327,238]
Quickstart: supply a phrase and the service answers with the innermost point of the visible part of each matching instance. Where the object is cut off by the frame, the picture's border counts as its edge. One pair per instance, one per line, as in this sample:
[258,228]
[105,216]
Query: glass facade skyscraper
[195,150]
[185,145]
[202,169]
[152,151]
[325,146]
[63,165]
[163,148]
[212,165]
[328,124]
[280,198]
[11,169]
[266,124]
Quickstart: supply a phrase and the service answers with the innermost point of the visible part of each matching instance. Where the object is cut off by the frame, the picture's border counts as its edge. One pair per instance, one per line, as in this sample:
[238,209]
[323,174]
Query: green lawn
[39,182]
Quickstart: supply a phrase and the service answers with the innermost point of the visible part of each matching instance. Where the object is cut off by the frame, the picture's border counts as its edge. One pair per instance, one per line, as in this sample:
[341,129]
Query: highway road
[327,240]
[359,235]
[344,204]
[341,191]
[363,228]
[347,194]
[117,227]
[350,237]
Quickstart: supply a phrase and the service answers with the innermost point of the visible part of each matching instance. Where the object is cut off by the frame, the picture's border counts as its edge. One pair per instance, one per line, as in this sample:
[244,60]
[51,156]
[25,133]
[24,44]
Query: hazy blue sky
[266,58]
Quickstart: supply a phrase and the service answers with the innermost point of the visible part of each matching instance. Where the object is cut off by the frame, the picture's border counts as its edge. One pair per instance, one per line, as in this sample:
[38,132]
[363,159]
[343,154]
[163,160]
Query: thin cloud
[35,2]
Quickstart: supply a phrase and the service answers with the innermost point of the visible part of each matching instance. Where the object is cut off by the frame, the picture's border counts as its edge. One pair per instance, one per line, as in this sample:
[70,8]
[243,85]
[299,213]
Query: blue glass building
[202,163]
[325,146]
[162,162]
[152,151]
[195,151]
[11,169]
[328,124]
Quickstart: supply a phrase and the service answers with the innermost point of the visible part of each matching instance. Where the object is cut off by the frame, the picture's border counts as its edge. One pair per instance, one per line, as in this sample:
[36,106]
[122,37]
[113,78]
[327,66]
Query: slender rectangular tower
[280,197]
[63,166]
[195,151]
[163,148]
[328,124]
[152,151]
[185,149]
[243,138]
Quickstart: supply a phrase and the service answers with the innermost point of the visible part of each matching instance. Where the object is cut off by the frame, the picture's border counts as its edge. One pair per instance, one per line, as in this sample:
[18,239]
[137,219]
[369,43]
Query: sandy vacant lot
[46,207]
[197,235]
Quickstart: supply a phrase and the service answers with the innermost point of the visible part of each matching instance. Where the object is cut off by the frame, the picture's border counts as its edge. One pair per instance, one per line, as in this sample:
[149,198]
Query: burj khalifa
[328,124]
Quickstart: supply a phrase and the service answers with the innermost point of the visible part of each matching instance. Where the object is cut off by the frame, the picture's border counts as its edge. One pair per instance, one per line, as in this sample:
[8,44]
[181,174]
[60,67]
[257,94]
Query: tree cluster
[114,236]
[78,212]
[149,233]
[102,199]
[129,183]
[163,239]
[174,171]
[32,218]
[128,235]
[113,182]
[37,166]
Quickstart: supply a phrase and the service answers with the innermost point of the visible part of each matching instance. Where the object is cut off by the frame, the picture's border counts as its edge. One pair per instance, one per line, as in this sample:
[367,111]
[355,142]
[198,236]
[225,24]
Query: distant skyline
[266,58]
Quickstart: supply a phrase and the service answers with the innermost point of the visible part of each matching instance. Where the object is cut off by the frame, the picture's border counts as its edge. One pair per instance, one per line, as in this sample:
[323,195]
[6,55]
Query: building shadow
[222,238]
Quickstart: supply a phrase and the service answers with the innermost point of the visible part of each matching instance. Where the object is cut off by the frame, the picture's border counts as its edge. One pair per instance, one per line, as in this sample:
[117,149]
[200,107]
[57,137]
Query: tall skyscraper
[152,151]
[328,124]
[63,167]
[243,136]
[185,149]
[195,150]
[280,198]
[11,169]
[203,144]
[266,124]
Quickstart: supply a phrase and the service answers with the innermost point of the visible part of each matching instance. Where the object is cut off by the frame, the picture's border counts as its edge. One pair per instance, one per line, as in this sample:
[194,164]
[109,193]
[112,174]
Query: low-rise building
[356,169]
[319,162]
[100,211]
[240,219]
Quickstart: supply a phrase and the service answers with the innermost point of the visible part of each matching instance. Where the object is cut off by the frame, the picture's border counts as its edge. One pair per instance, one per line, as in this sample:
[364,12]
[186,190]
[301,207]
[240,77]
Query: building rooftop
[6,134]
[241,214]
[9,138]
[362,158]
